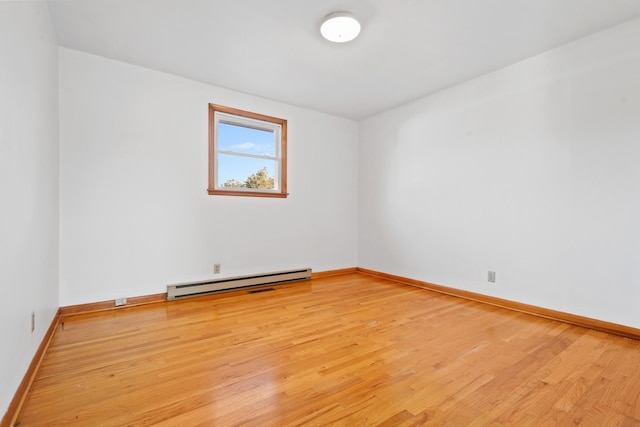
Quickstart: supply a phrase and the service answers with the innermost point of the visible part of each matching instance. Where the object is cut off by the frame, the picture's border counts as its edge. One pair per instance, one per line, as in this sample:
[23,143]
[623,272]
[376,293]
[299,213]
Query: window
[247,153]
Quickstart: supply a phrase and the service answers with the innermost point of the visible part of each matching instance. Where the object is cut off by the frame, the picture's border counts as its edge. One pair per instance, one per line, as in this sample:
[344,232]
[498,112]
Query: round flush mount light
[340,27]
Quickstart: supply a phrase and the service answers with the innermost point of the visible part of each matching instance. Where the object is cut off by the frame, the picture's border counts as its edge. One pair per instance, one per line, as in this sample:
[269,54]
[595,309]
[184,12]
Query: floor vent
[193,289]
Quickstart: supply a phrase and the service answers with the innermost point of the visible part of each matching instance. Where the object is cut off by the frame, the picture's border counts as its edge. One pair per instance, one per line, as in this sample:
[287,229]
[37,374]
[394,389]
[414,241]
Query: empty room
[350,213]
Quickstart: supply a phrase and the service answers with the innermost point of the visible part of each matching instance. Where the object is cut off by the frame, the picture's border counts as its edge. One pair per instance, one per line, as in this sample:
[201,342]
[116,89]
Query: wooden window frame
[222,191]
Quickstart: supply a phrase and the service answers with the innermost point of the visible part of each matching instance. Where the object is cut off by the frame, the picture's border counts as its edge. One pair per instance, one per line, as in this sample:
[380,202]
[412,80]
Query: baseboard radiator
[194,289]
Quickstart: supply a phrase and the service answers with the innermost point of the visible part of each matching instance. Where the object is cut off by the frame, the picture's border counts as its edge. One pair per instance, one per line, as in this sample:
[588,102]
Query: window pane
[246,140]
[246,172]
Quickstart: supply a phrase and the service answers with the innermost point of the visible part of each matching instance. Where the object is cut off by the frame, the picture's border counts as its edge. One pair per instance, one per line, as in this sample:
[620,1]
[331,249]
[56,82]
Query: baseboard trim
[332,273]
[110,305]
[585,322]
[11,416]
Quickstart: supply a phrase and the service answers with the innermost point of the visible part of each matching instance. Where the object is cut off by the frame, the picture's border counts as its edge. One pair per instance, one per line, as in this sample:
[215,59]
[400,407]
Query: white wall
[135,214]
[532,171]
[28,186]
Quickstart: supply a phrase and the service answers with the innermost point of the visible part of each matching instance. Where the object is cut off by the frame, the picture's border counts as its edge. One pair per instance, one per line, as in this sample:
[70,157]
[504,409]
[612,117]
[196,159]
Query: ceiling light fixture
[340,27]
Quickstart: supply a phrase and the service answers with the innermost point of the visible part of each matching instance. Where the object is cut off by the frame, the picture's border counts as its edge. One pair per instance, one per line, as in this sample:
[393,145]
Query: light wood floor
[350,350]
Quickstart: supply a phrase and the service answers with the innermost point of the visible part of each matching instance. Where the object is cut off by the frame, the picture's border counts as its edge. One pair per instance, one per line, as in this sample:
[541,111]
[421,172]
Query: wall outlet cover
[491,277]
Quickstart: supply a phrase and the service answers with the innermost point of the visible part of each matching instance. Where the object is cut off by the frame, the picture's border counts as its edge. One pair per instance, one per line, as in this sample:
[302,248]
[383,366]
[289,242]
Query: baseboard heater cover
[194,289]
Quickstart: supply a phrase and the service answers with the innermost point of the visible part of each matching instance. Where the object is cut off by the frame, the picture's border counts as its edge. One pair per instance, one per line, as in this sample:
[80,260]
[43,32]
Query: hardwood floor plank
[341,350]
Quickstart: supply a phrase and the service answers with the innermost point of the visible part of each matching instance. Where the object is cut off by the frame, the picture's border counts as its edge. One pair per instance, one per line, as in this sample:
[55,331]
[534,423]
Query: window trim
[282,123]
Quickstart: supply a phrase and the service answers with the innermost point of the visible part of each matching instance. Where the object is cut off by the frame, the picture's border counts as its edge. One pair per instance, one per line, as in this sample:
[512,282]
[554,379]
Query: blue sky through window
[247,140]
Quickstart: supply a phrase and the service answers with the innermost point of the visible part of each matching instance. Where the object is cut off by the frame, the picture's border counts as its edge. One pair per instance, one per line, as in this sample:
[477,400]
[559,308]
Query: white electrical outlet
[121,301]
[216,268]
[491,277]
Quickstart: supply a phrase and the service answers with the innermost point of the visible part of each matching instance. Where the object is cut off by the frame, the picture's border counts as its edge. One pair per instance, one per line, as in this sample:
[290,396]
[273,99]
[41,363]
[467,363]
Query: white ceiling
[272,48]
